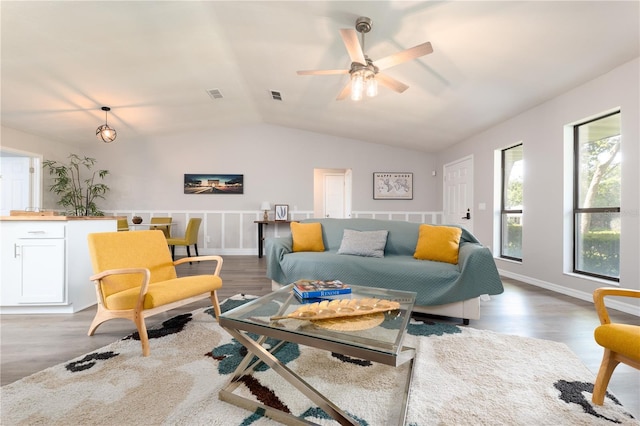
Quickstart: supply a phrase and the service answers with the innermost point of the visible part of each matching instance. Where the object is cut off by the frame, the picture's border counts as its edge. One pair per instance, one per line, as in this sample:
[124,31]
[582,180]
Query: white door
[458,193]
[334,195]
[15,180]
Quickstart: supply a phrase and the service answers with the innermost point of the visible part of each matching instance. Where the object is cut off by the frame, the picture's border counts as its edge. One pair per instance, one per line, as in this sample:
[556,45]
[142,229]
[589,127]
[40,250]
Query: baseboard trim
[582,295]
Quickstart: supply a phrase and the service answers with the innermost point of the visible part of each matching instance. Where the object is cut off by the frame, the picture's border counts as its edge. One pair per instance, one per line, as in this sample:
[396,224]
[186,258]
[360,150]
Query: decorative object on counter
[31,212]
[105,133]
[282,212]
[265,206]
[136,219]
[78,194]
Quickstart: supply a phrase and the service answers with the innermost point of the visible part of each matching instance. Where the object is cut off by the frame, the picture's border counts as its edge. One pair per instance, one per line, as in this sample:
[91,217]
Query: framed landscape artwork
[213,184]
[392,186]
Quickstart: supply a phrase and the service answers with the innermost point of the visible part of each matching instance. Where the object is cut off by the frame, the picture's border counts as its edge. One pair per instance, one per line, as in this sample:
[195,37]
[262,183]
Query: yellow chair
[190,238]
[123,224]
[166,229]
[135,278]
[621,342]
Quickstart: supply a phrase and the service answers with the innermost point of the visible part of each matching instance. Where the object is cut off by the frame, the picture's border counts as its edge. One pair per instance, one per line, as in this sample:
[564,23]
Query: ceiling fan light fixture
[372,86]
[105,133]
[363,81]
[364,74]
[357,84]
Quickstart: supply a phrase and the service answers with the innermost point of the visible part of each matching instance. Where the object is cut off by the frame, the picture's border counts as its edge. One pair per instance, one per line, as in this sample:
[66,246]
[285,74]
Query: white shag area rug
[462,376]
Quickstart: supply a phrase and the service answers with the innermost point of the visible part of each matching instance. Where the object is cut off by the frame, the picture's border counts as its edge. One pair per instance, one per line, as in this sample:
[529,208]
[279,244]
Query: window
[511,209]
[596,197]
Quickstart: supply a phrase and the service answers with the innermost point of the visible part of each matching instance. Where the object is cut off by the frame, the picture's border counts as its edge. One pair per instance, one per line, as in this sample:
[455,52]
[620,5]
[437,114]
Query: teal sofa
[441,288]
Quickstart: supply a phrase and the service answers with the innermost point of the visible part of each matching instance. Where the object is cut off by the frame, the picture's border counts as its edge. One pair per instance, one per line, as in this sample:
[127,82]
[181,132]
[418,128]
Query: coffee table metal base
[255,348]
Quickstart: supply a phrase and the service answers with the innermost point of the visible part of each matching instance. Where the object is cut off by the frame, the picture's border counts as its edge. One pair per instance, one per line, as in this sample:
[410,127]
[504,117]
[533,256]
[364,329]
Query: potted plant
[77,194]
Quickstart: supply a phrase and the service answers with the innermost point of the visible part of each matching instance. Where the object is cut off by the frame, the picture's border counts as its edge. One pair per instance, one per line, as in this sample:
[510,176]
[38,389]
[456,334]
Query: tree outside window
[597,197]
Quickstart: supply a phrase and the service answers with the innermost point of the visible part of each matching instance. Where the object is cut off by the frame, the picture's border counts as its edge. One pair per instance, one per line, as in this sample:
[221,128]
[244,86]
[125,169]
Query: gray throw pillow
[363,243]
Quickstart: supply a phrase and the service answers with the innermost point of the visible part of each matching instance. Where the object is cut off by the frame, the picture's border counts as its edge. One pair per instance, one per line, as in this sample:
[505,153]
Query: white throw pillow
[363,243]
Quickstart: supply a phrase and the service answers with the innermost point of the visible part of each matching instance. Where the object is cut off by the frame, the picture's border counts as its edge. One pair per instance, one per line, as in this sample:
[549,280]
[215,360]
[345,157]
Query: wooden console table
[261,224]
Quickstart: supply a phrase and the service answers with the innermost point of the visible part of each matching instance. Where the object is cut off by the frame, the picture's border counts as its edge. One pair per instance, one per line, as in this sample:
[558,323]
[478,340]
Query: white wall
[546,212]
[277,164]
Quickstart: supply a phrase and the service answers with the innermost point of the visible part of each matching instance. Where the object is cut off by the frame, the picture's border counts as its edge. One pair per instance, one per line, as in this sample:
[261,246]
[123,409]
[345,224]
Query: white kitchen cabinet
[46,265]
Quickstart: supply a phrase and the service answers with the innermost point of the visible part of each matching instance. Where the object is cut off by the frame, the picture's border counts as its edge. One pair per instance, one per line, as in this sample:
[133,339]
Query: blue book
[306,289]
[321,299]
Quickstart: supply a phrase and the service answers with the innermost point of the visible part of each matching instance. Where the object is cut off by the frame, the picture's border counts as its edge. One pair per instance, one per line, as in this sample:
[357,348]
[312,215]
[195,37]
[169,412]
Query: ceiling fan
[365,74]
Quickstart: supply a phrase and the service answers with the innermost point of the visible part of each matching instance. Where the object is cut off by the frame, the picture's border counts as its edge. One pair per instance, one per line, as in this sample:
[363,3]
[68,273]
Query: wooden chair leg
[216,305]
[142,331]
[609,363]
[102,315]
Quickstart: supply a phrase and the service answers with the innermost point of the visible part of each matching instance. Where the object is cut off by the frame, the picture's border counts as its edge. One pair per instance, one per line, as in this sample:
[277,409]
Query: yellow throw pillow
[307,236]
[439,243]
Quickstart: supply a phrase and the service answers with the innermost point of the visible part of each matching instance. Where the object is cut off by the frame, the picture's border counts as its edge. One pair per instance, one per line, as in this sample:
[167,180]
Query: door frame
[319,190]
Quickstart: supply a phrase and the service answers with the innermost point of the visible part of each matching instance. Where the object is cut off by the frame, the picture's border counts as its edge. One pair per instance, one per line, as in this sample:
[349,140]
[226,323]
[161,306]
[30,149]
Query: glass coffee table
[381,343]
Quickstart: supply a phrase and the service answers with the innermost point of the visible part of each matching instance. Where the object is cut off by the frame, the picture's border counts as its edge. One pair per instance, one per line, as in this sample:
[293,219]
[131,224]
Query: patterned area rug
[462,376]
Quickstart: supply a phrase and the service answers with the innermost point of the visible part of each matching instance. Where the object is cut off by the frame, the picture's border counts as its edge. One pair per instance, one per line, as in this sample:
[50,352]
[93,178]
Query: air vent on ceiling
[215,94]
[277,96]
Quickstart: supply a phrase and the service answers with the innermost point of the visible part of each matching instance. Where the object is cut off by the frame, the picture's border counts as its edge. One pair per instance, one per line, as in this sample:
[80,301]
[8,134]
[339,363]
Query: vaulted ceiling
[154,62]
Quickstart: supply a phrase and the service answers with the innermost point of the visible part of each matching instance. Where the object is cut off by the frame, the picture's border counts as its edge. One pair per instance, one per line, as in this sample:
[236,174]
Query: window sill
[608,283]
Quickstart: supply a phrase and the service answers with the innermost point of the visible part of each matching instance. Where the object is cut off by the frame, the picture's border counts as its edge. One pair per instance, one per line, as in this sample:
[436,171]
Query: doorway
[20,181]
[458,193]
[332,193]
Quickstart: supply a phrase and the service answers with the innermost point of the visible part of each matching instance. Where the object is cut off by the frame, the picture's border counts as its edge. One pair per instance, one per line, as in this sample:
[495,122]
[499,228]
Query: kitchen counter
[36,217]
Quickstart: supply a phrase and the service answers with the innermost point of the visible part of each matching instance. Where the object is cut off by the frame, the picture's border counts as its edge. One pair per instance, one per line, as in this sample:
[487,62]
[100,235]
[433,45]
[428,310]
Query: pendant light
[105,133]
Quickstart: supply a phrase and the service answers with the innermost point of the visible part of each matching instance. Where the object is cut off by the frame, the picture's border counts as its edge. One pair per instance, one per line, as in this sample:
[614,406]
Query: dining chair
[123,224]
[165,229]
[135,278]
[190,238]
[621,342]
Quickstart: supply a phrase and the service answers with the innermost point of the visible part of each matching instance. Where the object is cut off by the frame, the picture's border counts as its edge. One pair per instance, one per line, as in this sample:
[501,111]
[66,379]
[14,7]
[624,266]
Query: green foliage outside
[512,246]
[601,253]
[78,194]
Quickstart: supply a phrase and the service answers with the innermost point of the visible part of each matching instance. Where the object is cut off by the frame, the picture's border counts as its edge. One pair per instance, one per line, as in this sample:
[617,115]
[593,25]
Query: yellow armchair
[136,278]
[621,342]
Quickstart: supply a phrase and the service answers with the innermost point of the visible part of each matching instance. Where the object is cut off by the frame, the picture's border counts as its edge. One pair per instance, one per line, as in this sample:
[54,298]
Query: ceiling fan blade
[391,83]
[350,39]
[322,72]
[346,91]
[403,56]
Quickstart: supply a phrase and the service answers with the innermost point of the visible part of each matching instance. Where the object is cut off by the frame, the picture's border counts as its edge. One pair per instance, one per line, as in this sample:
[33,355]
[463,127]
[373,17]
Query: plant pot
[136,219]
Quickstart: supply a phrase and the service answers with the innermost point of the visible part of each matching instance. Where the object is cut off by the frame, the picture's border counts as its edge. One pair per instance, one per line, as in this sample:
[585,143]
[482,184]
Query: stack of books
[308,290]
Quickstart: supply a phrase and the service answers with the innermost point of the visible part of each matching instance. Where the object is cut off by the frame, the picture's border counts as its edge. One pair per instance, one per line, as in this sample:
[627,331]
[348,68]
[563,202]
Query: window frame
[577,210]
[503,195]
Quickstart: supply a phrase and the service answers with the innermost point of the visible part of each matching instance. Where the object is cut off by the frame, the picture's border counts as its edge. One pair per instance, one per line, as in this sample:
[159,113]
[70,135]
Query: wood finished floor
[30,343]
